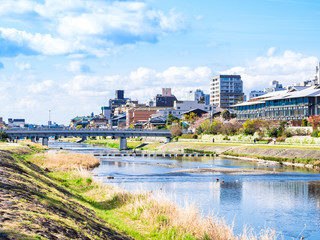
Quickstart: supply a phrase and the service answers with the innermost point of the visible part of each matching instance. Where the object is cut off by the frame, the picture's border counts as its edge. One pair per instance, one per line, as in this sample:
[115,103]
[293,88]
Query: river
[287,200]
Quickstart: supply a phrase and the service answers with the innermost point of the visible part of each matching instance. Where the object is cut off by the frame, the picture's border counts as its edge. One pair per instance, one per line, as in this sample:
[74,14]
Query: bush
[226,138]
[288,134]
[273,132]
[281,139]
[187,136]
[3,136]
[195,136]
[304,122]
[315,133]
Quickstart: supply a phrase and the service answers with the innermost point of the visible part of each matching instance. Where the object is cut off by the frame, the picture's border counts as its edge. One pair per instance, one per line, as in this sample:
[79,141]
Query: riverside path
[123,134]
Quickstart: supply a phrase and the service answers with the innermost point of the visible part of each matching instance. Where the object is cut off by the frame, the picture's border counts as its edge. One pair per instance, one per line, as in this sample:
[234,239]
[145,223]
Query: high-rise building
[118,101]
[226,90]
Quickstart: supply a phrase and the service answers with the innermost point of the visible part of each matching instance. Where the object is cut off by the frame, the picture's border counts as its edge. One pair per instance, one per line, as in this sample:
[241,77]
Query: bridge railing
[84,129]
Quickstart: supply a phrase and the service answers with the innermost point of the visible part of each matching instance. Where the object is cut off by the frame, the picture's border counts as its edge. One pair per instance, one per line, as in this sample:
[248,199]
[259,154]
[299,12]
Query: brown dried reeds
[163,215]
[65,161]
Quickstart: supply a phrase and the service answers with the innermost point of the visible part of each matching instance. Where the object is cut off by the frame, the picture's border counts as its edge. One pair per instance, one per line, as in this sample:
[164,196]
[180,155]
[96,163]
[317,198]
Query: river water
[287,201]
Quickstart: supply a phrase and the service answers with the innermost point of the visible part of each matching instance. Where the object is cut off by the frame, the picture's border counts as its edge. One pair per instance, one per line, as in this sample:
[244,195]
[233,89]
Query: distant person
[212,139]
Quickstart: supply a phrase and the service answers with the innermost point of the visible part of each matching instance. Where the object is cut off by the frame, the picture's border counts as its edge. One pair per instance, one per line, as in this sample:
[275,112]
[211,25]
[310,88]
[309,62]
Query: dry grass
[65,161]
[163,215]
[30,144]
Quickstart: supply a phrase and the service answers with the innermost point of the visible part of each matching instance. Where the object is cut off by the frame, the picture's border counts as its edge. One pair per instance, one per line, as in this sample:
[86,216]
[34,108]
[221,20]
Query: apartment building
[226,90]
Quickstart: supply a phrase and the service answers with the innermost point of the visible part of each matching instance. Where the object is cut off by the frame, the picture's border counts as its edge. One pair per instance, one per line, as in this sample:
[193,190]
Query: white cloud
[288,68]
[93,27]
[142,84]
[41,87]
[23,66]
[43,43]
[78,67]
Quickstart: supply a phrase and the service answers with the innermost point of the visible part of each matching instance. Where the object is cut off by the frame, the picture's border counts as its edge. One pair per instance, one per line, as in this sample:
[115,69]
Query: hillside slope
[34,206]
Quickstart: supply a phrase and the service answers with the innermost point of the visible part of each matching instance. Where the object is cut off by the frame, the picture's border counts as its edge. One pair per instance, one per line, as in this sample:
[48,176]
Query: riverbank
[293,155]
[49,203]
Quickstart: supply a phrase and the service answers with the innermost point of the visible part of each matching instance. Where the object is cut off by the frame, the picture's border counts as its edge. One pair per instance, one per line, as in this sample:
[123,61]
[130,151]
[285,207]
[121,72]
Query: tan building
[140,115]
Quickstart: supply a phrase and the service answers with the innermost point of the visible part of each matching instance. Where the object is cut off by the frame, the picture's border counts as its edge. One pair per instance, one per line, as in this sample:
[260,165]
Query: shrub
[304,122]
[288,134]
[226,138]
[280,139]
[176,131]
[195,136]
[315,133]
[187,136]
[273,132]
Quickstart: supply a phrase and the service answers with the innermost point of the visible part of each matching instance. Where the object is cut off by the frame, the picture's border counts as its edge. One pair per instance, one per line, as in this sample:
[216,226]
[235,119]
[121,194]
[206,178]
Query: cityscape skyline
[70,56]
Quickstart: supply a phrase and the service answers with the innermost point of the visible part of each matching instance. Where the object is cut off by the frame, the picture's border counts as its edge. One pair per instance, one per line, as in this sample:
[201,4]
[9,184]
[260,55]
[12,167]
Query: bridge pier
[33,139]
[123,143]
[168,140]
[45,141]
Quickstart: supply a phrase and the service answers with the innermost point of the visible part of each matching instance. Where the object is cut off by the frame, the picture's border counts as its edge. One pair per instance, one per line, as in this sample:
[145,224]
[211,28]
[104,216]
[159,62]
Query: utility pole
[49,123]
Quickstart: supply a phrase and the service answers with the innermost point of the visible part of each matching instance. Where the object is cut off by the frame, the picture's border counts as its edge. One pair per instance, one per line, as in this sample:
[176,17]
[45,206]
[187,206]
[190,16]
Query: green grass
[113,143]
[188,150]
[270,158]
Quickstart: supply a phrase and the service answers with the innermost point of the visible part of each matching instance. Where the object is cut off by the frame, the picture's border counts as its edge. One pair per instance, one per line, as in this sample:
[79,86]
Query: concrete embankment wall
[290,153]
[254,151]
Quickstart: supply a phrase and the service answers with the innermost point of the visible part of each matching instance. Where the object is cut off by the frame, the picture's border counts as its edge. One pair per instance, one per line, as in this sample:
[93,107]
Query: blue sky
[70,56]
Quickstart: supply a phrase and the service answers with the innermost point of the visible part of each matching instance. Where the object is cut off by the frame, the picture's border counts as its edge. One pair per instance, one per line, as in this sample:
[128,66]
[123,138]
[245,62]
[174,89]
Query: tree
[304,122]
[79,127]
[315,121]
[176,131]
[191,117]
[226,114]
[171,119]
[253,125]
[207,127]
[3,136]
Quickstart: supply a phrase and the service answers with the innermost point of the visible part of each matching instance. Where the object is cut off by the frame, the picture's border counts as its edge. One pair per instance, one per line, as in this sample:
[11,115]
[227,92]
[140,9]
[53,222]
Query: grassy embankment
[68,203]
[297,154]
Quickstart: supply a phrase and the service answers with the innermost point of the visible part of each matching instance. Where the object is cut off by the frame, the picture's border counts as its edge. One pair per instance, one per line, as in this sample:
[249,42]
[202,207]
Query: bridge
[45,133]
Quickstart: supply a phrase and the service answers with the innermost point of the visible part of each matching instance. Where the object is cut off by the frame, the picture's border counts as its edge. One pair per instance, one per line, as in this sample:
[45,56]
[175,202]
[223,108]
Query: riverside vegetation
[54,196]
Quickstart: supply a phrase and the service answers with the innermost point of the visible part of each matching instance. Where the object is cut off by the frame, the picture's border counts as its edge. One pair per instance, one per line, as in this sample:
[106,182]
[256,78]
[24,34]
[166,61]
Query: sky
[69,56]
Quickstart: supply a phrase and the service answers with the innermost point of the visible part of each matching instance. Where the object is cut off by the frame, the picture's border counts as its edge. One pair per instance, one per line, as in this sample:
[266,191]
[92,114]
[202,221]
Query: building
[226,90]
[198,95]
[117,101]
[274,86]
[106,112]
[139,115]
[294,104]
[119,121]
[181,107]
[84,121]
[255,93]
[166,99]
[16,122]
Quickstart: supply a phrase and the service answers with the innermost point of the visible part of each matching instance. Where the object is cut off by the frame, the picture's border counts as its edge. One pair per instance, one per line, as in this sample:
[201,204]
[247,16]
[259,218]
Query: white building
[16,122]
[255,93]
[226,90]
[198,95]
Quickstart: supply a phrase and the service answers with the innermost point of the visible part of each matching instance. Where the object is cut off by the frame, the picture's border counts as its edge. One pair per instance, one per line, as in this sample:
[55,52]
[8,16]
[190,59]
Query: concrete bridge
[45,133]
